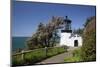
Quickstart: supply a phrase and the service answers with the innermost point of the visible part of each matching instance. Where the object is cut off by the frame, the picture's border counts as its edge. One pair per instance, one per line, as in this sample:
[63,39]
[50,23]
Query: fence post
[22,54]
[46,51]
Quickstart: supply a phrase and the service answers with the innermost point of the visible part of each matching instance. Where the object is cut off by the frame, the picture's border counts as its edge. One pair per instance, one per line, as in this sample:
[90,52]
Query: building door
[75,43]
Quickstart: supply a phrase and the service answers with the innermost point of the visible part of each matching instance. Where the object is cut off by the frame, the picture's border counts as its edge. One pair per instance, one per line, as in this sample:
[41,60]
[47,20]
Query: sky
[27,15]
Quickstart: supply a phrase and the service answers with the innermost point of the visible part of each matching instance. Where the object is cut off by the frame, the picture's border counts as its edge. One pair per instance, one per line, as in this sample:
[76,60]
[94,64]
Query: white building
[68,38]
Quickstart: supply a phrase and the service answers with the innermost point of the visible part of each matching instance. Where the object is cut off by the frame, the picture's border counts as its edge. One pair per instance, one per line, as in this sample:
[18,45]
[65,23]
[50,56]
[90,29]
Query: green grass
[76,56]
[36,55]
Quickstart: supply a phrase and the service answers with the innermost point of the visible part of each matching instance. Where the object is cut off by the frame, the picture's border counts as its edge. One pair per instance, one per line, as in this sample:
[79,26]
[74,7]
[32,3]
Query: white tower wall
[65,39]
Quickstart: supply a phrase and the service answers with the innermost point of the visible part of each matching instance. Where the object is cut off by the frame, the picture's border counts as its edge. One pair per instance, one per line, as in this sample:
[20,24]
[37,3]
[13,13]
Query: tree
[32,43]
[88,20]
[46,34]
[78,31]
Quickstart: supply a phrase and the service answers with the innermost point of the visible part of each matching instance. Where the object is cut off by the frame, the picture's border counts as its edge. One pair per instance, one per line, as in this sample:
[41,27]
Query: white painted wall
[66,40]
[76,38]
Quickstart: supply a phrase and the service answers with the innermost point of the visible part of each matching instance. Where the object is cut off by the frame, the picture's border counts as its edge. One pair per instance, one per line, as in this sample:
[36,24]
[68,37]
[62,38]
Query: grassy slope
[76,56]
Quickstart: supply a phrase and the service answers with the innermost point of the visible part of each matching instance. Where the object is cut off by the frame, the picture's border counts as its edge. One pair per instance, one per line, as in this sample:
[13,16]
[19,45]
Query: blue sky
[27,15]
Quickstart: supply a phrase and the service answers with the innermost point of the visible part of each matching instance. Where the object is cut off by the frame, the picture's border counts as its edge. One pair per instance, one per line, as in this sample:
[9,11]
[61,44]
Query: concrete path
[58,58]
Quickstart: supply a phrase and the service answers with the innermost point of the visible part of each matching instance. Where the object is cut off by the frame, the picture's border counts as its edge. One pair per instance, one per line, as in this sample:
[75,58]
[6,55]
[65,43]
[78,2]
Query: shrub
[89,41]
[89,47]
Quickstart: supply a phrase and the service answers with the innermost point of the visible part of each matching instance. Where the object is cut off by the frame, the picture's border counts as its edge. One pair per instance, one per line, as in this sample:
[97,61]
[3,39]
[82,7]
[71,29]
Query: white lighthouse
[68,38]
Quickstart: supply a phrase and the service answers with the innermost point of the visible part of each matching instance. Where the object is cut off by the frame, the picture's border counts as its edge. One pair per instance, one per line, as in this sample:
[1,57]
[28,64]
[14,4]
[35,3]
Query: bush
[89,47]
[89,41]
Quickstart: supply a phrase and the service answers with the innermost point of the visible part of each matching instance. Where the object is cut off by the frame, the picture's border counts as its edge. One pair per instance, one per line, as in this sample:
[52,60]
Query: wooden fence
[36,55]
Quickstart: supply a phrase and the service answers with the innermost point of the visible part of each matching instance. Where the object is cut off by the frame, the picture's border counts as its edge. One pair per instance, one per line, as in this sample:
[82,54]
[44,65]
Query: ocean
[19,42]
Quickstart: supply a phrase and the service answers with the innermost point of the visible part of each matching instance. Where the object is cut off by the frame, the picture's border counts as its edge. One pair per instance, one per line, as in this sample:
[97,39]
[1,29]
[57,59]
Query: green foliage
[78,31]
[89,47]
[76,56]
[89,42]
[36,55]
[18,60]
[88,20]
[32,42]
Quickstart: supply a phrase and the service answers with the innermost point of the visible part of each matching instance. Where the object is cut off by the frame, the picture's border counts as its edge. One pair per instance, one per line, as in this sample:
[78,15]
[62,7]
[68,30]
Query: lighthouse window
[74,36]
[77,35]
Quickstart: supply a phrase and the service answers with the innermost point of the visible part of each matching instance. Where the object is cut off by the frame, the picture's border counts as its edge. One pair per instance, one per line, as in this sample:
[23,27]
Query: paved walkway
[58,58]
